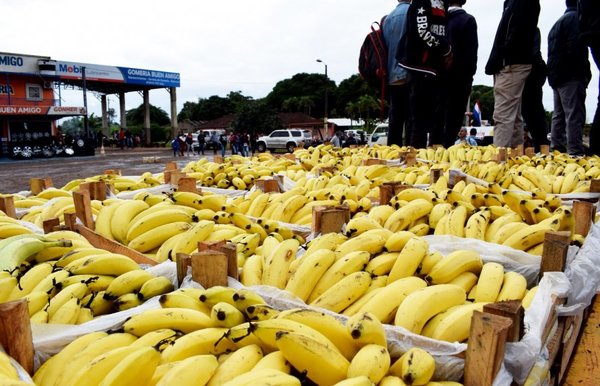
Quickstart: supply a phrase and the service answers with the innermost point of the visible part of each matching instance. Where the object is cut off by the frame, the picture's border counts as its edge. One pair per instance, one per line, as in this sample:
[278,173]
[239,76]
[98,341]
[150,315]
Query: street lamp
[326,107]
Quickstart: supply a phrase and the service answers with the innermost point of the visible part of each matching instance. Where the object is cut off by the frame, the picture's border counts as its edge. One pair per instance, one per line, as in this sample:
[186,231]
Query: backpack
[372,62]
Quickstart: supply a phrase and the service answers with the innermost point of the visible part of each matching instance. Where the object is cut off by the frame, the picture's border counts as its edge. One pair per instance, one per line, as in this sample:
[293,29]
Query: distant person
[473,136]
[532,107]
[201,143]
[216,143]
[121,138]
[175,146]
[351,140]
[189,141]
[462,36]
[427,55]
[223,142]
[510,63]
[335,140]
[129,139]
[394,30]
[569,75]
[181,144]
[463,138]
[589,33]
[245,138]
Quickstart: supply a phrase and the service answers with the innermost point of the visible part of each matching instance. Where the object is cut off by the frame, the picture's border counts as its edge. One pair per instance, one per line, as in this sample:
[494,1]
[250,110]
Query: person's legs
[558,129]
[508,92]
[595,130]
[532,108]
[573,95]
[398,113]
[421,114]
[455,106]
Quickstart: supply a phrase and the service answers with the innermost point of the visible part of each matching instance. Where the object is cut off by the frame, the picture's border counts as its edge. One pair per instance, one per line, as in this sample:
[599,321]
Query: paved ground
[15,174]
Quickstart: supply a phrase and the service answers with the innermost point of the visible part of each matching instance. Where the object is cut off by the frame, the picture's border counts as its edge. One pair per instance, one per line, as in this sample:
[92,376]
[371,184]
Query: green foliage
[310,87]
[256,117]
[350,90]
[135,116]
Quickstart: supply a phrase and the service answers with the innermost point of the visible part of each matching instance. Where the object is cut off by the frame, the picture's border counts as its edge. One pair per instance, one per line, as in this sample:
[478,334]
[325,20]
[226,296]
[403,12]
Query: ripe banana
[453,265]
[180,319]
[343,293]
[372,361]
[452,325]
[489,283]
[201,342]
[415,367]
[366,329]
[409,259]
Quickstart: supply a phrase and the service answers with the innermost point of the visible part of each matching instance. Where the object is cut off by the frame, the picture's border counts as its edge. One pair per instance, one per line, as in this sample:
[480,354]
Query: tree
[135,116]
[368,107]
[308,86]
[350,90]
[485,96]
[256,117]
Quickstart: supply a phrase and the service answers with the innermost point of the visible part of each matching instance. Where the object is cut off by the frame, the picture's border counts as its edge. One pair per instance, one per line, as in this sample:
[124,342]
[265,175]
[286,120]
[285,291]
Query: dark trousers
[398,114]
[595,131]
[532,107]
[457,90]
[425,110]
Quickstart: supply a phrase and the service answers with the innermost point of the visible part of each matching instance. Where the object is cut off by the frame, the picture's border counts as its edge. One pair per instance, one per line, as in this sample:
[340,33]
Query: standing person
[510,63]
[589,33]
[245,144]
[462,35]
[216,144]
[175,146]
[569,75]
[532,108]
[426,54]
[189,141]
[201,142]
[181,144]
[129,139]
[223,142]
[472,139]
[335,140]
[121,138]
[394,29]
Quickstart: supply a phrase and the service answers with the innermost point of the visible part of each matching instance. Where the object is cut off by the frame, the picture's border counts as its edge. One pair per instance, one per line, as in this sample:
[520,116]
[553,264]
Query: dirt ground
[15,174]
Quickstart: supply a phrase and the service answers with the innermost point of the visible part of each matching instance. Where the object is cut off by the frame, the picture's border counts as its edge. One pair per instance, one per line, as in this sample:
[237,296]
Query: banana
[157,339]
[346,265]
[135,368]
[267,376]
[180,319]
[343,293]
[258,205]
[185,372]
[98,304]
[49,283]
[384,304]
[316,358]
[401,218]
[155,286]
[371,241]
[506,231]
[238,363]
[380,213]
[290,207]
[494,227]
[155,237]
[179,299]
[197,233]
[366,329]
[392,380]
[77,291]
[67,313]
[109,264]
[309,271]
[415,367]
[104,219]
[428,262]
[36,301]
[216,294]
[127,211]
[30,279]
[359,225]
[423,304]
[252,271]
[456,221]
[20,250]
[277,263]
[382,264]
[412,194]
[528,298]
[531,235]
[52,369]
[372,361]
[127,301]
[92,372]
[327,241]
[154,220]
[453,265]
[201,342]
[226,315]
[452,325]
[465,280]
[489,283]
[258,312]
[477,224]
[77,254]
[7,286]
[326,324]
[438,212]
[514,287]
[409,259]
[127,282]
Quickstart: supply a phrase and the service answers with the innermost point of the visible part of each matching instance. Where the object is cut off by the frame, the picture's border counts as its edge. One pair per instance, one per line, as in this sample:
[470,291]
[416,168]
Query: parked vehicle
[287,139]
[379,135]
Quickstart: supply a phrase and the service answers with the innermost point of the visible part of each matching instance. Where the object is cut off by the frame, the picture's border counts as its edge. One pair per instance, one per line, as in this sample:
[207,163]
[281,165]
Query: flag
[476,114]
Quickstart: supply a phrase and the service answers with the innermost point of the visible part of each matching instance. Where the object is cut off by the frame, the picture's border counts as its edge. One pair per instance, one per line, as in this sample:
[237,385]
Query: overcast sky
[226,45]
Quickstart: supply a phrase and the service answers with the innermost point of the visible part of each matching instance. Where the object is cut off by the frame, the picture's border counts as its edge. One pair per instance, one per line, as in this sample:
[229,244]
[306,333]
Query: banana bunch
[8,372]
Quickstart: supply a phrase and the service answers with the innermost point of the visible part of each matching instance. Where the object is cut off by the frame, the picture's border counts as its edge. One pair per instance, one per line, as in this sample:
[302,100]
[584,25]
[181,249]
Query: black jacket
[425,44]
[589,21]
[461,31]
[514,38]
[567,55]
